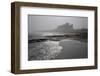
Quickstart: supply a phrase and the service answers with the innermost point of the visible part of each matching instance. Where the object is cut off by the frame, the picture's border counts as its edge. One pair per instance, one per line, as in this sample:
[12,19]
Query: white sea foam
[45,50]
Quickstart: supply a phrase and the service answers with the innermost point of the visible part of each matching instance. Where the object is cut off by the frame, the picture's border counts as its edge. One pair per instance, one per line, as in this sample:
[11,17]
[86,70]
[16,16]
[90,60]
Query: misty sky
[40,22]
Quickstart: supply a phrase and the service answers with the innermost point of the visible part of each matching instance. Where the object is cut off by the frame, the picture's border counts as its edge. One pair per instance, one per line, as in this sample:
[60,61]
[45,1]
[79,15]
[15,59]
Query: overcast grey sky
[40,22]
